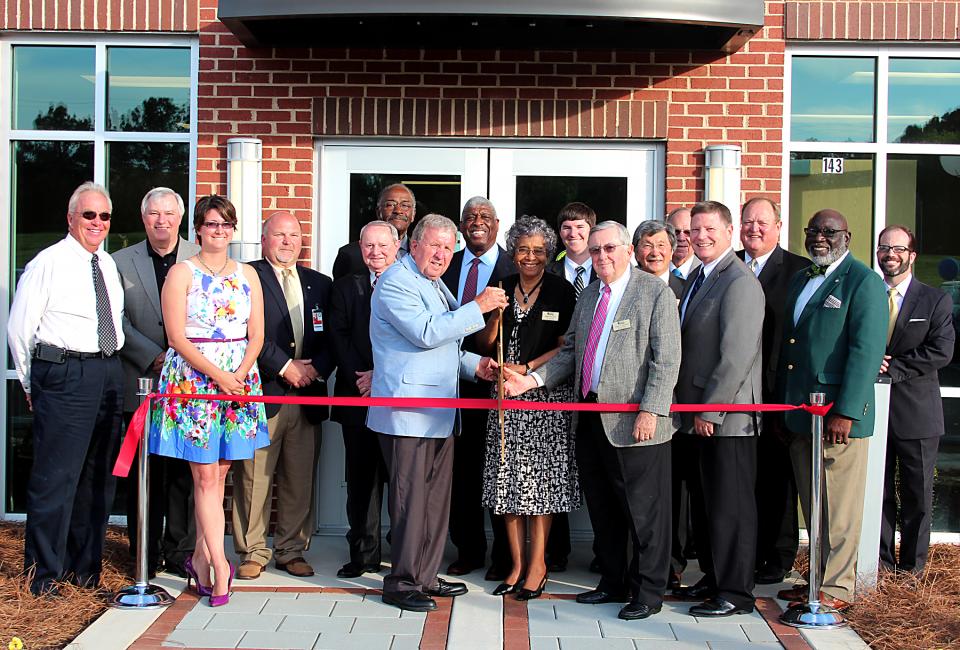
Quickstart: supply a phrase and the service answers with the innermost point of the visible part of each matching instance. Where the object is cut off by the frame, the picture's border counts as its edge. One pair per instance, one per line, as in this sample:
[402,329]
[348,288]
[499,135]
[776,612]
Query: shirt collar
[760,260]
[620,283]
[155,255]
[74,244]
[572,266]
[708,268]
[833,267]
[903,286]
[489,258]
[665,276]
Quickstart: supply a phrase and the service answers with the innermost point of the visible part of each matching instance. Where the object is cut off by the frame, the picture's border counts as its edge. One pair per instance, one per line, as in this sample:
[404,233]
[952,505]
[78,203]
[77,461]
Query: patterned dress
[205,431]
[538,475]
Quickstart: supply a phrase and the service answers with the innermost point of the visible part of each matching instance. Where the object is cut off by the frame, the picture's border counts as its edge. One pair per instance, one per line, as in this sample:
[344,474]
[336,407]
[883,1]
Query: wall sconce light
[244,189]
[722,182]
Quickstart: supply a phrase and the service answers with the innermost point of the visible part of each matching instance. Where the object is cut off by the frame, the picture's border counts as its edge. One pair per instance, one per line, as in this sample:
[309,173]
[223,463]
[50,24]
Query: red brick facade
[914,20]
[100,15]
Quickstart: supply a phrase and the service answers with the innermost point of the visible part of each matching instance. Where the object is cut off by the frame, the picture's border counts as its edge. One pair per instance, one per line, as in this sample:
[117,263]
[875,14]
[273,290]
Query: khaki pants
[844,482]
[291,454]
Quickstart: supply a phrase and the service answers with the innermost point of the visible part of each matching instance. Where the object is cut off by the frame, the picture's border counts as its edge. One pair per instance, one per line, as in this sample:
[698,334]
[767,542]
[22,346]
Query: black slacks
[628,496]
[171,527]
[778,534]
[419,504]
[78,412]
[725,514]
[915,460]
[683,462]
[365,474]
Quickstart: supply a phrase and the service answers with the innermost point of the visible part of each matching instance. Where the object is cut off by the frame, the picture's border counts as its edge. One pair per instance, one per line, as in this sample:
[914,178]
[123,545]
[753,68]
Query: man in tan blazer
[623,458]
[143,267]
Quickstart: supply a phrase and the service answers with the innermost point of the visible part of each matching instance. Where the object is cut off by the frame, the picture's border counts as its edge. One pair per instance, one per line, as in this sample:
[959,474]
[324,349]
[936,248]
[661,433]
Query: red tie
[470,286]
[590,354]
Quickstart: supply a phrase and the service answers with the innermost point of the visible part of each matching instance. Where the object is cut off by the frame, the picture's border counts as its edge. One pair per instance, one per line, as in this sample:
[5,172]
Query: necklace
[212,272]
[526,294]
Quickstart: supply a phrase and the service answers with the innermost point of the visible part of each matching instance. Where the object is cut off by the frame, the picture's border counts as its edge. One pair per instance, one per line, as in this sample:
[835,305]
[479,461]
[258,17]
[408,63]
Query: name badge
[621,325]
[317,319]
[551,315]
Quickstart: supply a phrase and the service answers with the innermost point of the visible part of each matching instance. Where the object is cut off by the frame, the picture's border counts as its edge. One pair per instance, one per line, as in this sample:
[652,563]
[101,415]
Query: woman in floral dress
[213,317]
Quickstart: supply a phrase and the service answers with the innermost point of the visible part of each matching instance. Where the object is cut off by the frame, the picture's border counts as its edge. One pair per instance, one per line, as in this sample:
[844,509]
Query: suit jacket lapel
[148,277]
[823,290]
[707,285]
[907,308]
[273,288]
[773,267]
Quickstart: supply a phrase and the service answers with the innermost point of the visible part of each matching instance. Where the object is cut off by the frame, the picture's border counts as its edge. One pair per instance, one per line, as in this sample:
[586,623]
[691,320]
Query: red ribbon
[137,424]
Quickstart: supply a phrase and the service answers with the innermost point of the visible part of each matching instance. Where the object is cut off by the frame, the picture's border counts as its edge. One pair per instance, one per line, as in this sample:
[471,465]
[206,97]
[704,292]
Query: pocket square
[832,302]
[917,320]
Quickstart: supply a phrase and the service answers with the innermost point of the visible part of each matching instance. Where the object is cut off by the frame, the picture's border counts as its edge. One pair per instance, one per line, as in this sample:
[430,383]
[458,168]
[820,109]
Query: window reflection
[44,176]
[148,89]
[53,88]
[924,101]
[946,485]
[832,99]
[134,168]
[544,196]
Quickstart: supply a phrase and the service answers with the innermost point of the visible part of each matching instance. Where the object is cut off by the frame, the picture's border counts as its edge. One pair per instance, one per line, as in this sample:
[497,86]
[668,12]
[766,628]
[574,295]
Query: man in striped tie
[574,223]
[623,458]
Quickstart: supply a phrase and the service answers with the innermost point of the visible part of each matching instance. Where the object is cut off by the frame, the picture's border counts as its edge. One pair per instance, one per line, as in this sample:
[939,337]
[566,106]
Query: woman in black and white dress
[536,475]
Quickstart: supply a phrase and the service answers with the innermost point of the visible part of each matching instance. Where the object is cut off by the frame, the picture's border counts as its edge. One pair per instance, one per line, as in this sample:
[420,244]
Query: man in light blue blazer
[416,328]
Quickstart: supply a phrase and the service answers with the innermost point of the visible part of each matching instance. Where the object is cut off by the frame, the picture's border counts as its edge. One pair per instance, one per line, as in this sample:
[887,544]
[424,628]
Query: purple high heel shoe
[217,601]
[192,575]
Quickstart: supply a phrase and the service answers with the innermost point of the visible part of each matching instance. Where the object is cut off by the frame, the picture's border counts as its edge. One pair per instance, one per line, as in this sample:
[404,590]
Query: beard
[902,268]
[829,258]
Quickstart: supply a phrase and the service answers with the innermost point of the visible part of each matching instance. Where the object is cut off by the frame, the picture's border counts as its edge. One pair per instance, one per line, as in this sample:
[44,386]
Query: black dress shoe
[412,601]
[496,574]
[701,589]
[446,589]
[530,594]
[597,597]
[594,565]
[716,607]
[505,588]
[355,569]
[634,611]
[769,575]
[462,567]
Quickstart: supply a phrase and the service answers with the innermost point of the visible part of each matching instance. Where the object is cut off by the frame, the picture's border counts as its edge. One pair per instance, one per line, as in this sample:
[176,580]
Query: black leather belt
[54,354]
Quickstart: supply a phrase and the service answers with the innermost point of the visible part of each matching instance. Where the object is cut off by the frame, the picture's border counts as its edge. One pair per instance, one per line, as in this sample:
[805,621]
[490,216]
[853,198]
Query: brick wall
[100,15]
[286,96]
[872,20]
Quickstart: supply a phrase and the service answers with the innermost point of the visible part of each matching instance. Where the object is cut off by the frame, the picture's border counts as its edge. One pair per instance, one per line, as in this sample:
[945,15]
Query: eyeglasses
[679,232]
[404,205]
[609,249]
[659,246]
[90,215]
[899,250]
[217,225]
[826,232]
[523,251]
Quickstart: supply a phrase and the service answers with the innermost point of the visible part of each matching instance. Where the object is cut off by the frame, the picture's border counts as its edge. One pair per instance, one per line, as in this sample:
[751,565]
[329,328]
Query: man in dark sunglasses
[64,332]
[833,342]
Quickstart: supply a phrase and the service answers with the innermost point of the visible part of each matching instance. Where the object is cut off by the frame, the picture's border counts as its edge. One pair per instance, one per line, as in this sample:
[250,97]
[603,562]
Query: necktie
[696,286]
[373,285]
[754,266]
[677,273]
[106,332]
[894,311]
[470,286]
[294,306]
[813,271]
[593,339]
[578,282]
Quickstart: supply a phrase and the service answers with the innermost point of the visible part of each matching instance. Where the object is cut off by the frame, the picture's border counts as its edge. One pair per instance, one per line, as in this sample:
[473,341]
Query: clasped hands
[300,373]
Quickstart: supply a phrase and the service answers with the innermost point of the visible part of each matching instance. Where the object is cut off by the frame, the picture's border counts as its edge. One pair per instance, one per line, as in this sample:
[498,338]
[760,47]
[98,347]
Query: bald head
[281,239]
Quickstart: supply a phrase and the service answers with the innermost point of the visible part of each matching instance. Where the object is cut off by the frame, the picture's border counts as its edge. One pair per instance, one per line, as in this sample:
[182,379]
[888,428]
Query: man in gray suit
[143,268]
[624,459]
[722,331]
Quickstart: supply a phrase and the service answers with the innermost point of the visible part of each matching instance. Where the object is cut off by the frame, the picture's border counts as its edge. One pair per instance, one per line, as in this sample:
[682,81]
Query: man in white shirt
[653,244]
[64,331]
[574,223]
[684,261]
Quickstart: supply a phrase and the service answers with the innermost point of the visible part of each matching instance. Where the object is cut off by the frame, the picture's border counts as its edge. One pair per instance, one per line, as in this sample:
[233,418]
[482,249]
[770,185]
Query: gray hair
[395,186]
[382,224]
[159,193]
[475,201]
[651,228]
[89,186]
[673,212]
[621,229]
[531,226]
[437,221]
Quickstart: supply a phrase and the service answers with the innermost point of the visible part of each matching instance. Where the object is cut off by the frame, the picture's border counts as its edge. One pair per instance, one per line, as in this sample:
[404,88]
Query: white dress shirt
[617,288]
[901,290]
[686,267]
[484,270]
[295,278]
[811,287]
[665,276]
[570,269]
[56,303]
[761,261]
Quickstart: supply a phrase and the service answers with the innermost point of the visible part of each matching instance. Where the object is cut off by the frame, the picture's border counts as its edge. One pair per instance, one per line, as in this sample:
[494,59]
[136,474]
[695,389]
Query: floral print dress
[205,431]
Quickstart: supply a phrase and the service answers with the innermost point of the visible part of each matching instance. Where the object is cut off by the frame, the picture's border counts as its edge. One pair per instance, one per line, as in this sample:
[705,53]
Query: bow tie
[813,270]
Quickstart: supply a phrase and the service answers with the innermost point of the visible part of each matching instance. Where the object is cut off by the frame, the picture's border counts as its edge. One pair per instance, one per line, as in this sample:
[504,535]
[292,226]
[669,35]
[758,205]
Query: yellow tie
[293,298]
[894,312]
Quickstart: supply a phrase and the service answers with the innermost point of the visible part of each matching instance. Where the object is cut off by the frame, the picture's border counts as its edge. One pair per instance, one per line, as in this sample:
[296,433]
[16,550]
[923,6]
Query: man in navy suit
[481,264]
[295,360]
[920,338]
[416,328]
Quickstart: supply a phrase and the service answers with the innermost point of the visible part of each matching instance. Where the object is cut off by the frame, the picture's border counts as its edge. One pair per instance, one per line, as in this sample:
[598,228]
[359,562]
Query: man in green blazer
[834,340]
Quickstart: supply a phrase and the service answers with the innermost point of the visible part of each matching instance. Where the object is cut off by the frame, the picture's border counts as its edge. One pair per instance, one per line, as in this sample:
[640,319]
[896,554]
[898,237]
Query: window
[115,110]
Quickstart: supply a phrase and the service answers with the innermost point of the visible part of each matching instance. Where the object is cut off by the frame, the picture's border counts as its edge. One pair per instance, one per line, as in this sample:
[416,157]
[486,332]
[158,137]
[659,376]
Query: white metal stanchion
[142,594]
[813,614]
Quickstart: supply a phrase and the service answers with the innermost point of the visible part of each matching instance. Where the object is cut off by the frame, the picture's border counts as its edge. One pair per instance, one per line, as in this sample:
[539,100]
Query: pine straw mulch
[43,623]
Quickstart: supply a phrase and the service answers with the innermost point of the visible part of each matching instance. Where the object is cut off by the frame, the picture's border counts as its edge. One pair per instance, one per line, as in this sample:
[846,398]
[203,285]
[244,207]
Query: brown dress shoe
[296,567]
[794,594]
[827,601]
[249,570]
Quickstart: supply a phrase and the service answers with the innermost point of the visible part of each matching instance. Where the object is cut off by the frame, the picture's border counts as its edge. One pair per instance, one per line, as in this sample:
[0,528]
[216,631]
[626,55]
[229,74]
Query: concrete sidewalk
[324,612]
